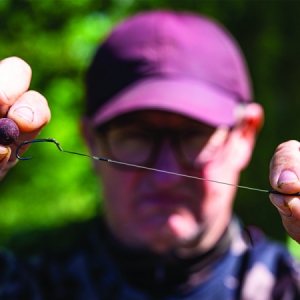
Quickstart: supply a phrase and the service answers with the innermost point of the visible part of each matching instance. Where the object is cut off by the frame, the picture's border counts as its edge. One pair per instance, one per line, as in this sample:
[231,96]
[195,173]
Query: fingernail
[281,205]
[286,177]
[3,150]
[25,112]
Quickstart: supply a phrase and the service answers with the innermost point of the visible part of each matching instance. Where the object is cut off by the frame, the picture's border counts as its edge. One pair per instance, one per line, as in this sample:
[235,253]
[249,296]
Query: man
[168,91]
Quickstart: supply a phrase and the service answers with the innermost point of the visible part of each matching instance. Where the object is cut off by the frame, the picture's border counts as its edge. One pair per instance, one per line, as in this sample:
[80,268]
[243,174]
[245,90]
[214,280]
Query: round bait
[9,131]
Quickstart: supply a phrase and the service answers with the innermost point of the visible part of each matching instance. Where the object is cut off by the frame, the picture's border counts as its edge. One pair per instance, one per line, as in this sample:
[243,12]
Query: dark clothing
[98,267]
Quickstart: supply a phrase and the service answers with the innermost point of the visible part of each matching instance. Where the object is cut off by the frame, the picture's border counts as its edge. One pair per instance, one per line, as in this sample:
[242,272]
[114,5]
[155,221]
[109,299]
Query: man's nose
[167,161]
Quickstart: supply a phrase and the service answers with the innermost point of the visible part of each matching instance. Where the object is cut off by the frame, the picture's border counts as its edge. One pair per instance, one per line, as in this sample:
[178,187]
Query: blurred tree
[58,38]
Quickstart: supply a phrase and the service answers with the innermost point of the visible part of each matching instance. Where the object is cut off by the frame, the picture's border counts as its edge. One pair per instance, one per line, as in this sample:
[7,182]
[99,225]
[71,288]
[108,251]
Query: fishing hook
[52,140]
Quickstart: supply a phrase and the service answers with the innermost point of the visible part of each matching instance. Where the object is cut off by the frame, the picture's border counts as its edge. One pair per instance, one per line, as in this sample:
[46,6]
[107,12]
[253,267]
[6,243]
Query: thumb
[30,112]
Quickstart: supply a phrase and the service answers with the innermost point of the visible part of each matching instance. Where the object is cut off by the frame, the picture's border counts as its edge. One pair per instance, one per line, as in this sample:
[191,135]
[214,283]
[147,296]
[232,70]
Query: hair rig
[54,141]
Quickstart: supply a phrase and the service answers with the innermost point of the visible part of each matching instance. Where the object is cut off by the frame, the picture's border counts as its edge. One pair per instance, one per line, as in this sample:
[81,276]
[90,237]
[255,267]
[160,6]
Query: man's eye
[135,134]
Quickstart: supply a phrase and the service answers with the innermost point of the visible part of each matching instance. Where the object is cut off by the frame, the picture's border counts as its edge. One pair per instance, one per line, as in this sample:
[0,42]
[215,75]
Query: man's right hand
[285,178]
[28,109]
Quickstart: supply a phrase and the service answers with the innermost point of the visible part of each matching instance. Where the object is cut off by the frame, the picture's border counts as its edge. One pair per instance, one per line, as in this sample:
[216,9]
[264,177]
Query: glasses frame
[161,135]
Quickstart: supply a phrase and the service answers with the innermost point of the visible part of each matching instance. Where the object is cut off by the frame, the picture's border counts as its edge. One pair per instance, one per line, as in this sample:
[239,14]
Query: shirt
[243,265]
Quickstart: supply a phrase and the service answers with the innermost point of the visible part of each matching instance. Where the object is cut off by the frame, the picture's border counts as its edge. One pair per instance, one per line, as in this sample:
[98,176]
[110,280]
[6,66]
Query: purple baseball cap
[171,61]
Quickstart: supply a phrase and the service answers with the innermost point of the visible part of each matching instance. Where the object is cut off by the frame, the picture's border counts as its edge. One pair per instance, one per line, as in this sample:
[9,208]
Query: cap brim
[194,99]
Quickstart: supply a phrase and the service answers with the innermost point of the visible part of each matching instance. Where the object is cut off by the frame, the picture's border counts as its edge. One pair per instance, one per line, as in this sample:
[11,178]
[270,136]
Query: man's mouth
[166,202]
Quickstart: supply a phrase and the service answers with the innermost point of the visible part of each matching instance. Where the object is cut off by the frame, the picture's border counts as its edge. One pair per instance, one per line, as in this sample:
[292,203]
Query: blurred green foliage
[58,38]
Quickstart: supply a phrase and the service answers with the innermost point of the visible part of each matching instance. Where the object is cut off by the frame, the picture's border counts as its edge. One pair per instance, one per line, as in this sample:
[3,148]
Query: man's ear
[253,116]
[246,132]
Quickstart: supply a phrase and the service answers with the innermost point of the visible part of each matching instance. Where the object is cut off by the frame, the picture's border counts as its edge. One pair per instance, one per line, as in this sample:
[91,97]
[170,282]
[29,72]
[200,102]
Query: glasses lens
[191,143]
[130,144]
[198,147]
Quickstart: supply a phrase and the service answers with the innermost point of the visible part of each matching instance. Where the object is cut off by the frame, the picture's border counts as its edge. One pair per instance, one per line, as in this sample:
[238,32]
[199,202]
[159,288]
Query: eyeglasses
[141,143]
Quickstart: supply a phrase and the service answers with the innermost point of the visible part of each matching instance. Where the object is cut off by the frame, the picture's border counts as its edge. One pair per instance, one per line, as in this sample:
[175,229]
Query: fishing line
[52,140]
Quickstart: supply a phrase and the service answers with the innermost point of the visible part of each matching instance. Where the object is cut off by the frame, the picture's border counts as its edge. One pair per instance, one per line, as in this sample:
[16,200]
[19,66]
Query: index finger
[15,76]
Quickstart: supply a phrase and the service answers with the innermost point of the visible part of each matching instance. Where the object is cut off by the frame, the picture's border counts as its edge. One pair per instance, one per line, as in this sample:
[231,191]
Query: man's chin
[164,234]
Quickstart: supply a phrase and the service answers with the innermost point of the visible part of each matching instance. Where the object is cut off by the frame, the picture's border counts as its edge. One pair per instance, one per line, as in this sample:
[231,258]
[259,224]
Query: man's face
[161,211]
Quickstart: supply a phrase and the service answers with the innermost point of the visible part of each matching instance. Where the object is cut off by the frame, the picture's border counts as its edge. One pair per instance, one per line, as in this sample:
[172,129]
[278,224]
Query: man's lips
[161,203]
